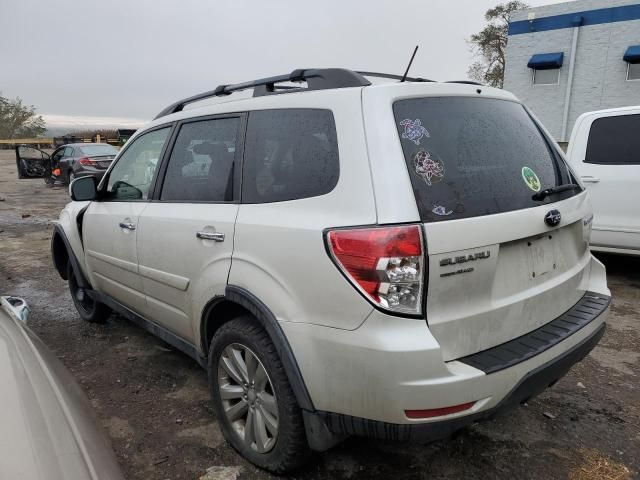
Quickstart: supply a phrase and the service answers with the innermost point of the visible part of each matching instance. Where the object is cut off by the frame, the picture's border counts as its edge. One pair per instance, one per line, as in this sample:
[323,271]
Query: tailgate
[489,284]
[503,218]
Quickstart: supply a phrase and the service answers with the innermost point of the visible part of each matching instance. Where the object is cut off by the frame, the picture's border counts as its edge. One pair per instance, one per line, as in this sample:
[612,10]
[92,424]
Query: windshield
[98,150]
[475,156]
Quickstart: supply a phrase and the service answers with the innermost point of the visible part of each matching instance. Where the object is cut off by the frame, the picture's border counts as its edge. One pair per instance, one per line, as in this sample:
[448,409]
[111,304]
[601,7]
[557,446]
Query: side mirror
[83,189]
[16,306]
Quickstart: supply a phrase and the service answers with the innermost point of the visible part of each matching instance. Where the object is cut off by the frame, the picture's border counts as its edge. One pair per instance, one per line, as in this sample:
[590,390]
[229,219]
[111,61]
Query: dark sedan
[67,162]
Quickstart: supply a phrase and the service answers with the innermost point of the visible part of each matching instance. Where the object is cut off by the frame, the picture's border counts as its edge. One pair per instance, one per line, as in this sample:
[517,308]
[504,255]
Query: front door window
[131,177]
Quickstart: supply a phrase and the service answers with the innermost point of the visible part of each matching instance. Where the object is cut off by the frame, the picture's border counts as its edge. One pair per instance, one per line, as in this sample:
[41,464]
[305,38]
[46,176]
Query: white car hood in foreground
[47,430]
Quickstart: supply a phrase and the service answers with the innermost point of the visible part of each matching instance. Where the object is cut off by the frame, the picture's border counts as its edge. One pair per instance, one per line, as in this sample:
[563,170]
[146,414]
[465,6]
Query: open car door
[32,162]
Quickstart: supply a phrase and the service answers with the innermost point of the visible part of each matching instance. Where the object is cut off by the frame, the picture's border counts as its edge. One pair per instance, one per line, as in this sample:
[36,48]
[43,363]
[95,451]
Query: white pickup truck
[605,151]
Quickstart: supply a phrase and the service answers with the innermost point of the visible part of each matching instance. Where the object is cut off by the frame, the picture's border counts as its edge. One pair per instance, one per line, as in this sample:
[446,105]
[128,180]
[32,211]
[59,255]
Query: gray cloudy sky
[78,59]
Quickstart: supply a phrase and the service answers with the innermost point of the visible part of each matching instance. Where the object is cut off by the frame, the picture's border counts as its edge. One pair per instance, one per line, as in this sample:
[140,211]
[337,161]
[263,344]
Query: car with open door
[48,430]
[605,151]
[394,260]
[66,163]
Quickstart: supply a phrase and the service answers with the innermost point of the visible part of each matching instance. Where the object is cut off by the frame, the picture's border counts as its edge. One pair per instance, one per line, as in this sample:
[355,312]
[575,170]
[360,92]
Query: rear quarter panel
[279,253]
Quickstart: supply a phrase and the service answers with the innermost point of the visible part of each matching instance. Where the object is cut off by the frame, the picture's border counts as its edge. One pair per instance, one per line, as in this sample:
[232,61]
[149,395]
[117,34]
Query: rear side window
[469,157]
[614,141]
[289,154]
[202,162]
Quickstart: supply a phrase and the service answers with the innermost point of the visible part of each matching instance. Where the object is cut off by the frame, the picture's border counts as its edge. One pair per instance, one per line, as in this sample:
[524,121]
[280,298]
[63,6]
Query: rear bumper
[363,381]
[532,384]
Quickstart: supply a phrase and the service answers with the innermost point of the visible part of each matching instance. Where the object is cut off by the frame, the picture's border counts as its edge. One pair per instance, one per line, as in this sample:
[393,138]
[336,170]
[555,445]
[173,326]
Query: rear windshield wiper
[550,191]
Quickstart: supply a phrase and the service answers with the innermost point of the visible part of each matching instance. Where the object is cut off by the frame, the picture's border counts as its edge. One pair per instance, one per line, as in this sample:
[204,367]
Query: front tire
[89,309]
[256,408]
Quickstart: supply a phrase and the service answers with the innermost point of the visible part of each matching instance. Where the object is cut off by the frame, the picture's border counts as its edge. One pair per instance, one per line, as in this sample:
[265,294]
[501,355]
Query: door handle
[215,236]
[128,225]
[589,179]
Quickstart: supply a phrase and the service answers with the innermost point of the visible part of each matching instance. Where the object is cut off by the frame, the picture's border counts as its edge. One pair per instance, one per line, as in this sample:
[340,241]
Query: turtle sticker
[440,210]
[413,130]
[531,179]
[428,166]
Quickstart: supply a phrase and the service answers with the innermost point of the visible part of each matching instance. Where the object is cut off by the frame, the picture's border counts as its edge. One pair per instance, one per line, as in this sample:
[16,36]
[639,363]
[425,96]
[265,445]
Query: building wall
[600,73]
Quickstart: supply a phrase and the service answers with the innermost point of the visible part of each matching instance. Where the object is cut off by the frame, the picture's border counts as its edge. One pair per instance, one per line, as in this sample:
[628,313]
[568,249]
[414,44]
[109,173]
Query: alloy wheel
[248,397]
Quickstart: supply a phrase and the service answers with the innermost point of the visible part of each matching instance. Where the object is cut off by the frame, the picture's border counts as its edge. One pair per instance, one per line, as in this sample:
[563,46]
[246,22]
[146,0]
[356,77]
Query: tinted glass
[475,156]
[614,141]
[130,178]
[201,165]
[289,154]
[30,153]
[57,155]
[98,150]
[68,152]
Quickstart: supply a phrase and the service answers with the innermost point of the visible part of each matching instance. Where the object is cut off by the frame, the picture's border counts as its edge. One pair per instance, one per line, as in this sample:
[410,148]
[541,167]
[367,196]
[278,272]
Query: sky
[89,62]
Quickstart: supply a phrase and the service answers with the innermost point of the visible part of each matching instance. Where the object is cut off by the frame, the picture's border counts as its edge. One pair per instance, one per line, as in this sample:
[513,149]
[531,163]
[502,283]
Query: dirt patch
[154,401]
[622,361]
[596,467]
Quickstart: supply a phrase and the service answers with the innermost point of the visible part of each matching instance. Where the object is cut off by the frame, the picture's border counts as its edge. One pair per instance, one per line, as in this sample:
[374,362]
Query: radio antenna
[406,72]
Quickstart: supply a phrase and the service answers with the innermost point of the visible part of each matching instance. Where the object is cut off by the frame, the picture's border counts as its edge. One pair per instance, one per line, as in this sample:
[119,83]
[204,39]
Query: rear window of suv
[469,157]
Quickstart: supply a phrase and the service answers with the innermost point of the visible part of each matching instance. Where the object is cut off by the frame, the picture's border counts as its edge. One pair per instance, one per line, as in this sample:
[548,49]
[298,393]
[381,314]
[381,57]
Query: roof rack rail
[316,78]
[394,77]
[465,82]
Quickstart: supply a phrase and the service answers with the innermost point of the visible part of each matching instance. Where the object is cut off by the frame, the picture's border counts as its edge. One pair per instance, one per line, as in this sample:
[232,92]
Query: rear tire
[90,310]
[259,415]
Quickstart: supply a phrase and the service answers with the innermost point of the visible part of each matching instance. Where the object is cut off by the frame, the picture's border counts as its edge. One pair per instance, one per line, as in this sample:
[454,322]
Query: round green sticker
[531,179]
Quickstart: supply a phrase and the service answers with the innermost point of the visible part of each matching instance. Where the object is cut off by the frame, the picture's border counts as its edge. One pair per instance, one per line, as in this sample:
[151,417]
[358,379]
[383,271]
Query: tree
[18,120]
[490,44]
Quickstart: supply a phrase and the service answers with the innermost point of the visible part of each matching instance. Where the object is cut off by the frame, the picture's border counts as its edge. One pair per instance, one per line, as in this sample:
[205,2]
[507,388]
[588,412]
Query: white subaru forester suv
[394,260]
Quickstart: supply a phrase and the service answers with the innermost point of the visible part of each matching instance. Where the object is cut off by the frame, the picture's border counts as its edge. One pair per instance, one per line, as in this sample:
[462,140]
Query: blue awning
[546,61]
[632,55]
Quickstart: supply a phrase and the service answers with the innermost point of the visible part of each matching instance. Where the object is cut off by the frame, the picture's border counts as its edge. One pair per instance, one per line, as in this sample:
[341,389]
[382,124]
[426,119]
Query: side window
[614,141]
[57,155]
[68,152]
[289,154]
[131,176]
[201,164]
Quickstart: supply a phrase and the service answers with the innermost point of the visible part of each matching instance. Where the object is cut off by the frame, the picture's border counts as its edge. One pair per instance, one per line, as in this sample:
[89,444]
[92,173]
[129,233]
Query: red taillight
[88,162]
[385,263]
[438,412]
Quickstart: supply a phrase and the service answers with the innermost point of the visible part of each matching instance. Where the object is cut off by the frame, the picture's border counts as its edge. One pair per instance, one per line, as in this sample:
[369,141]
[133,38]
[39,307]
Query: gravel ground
[154,402]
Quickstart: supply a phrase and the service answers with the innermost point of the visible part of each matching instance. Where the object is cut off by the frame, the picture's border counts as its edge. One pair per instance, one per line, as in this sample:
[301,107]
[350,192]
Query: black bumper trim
[532,384]
[521,349]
